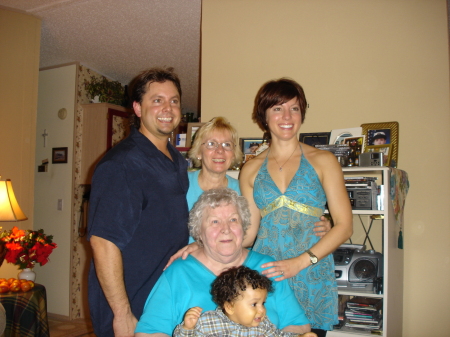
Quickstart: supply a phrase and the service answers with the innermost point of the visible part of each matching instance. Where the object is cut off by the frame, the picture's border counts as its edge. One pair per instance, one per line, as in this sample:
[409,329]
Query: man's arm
[109,269]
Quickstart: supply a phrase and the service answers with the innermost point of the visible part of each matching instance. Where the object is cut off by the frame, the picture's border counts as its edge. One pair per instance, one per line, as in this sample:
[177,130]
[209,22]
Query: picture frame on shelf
[315,138]
[59,155]
[383,133]
[360,141]
[249,147]
[385,149]
[338,135]
[191,130]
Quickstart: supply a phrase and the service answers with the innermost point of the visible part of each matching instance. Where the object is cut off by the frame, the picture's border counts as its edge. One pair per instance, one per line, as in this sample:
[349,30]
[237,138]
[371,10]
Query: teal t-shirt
[187,283]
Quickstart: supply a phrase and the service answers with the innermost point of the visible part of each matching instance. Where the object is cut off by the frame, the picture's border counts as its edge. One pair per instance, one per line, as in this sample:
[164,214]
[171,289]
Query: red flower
[12,254]
[26,247]
[17,233]
[43,251]
[14,246]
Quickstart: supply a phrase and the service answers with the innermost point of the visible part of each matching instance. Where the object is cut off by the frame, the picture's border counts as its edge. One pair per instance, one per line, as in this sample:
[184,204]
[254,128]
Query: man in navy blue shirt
[138,211]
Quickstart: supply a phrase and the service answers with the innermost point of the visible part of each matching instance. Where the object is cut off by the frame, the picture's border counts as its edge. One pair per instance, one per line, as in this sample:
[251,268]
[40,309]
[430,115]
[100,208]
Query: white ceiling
[119,38]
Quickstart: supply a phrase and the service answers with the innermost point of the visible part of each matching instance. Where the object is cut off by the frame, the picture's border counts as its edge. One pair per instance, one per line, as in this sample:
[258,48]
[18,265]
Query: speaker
[357,269]
[364,269]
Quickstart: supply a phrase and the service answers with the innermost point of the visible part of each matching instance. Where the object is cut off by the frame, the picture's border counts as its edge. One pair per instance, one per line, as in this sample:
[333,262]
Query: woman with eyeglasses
[215,150]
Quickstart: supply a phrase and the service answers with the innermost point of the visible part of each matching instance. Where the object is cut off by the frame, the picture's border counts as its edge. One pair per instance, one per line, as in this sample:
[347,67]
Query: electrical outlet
[60,205]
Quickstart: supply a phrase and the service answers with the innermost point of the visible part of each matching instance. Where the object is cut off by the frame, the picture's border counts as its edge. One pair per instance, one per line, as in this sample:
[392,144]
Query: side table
[26,313]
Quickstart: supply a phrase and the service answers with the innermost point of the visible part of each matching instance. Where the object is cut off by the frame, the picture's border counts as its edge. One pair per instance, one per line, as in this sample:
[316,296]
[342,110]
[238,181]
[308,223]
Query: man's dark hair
[229,285]
[139,86]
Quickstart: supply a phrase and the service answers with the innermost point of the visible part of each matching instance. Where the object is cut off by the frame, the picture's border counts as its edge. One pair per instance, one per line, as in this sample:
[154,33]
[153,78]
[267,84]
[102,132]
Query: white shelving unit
[387,244]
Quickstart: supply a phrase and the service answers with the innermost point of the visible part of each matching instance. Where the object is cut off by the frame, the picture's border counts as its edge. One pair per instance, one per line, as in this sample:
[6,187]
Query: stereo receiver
[362,192]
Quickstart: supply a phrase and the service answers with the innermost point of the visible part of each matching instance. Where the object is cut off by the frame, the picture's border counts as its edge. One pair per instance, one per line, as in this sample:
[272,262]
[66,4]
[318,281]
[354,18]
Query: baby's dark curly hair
[229,285]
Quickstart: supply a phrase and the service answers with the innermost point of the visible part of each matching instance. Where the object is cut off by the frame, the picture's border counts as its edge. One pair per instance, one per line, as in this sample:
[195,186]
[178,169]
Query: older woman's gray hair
[213,198]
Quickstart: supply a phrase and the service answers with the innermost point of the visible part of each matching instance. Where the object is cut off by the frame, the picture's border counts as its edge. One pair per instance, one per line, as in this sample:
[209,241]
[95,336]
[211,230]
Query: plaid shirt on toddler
[215,323]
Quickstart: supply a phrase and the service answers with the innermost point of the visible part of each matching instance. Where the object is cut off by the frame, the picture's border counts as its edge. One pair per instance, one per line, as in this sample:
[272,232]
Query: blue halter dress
[286,231]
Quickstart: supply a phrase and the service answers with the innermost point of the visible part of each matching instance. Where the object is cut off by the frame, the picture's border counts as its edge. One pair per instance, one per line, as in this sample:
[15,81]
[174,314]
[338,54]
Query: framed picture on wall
[59,155]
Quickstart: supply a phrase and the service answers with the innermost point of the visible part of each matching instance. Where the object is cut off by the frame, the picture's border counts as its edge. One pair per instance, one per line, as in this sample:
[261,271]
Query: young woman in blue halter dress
[287,187]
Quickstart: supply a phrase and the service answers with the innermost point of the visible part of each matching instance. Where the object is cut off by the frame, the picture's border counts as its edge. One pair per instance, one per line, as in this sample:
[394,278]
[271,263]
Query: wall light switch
[60,204]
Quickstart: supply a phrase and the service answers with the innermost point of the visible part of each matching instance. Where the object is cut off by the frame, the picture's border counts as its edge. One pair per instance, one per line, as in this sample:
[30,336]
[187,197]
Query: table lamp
[9,209]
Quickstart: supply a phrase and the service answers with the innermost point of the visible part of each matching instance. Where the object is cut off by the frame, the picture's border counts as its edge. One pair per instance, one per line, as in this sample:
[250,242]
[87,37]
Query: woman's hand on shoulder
[183,253]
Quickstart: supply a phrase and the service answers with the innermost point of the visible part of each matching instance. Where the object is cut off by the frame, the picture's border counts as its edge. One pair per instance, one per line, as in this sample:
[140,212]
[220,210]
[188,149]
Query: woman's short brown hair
[277,92]
[215,124]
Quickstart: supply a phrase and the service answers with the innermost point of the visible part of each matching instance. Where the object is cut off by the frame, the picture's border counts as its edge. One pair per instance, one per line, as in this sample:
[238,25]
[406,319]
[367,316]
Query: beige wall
[56,91]
[19,66]
[359,62]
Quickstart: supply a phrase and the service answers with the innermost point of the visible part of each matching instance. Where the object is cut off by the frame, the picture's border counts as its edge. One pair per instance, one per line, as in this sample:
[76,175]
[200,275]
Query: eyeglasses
[227,146]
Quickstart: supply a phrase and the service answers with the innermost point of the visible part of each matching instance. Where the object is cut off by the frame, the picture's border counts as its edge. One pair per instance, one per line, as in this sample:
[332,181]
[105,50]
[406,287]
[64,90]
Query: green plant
[107,91]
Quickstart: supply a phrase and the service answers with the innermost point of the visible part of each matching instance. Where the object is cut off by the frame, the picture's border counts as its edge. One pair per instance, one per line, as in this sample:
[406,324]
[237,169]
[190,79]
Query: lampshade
[9,207]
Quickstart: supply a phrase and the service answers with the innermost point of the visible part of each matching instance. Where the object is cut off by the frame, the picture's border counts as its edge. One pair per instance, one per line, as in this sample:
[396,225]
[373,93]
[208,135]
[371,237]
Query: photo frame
[249,147]
[191,130]
[316,138]
[386,149]
[338,135]
[390,131]
[59,155]
[360,142]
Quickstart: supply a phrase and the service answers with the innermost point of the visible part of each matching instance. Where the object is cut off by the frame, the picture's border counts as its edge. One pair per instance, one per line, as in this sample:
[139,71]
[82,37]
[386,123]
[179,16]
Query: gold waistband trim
[284,201]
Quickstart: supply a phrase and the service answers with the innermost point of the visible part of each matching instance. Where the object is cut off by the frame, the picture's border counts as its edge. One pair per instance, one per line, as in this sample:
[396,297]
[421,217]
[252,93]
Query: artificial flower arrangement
[25,248]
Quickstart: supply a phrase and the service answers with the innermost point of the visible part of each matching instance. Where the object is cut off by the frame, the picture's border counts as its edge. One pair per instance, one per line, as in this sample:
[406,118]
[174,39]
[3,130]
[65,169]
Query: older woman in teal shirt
[218,222]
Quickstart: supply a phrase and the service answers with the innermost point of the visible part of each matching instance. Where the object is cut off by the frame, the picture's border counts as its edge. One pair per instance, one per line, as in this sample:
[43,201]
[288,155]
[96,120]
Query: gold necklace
[281,167]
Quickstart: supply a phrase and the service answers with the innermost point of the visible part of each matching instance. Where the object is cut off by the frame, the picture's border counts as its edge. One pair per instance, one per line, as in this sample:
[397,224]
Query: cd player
[357,268]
